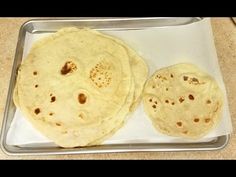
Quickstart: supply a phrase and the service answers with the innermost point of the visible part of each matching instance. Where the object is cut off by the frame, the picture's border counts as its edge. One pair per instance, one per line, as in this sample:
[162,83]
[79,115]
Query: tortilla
[183,101]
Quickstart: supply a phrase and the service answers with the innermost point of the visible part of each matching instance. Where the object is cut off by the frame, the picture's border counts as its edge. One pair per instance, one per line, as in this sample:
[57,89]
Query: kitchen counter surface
[225,40]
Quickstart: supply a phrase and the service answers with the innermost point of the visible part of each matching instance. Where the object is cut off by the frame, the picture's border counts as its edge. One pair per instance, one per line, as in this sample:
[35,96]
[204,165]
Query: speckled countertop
[225,41]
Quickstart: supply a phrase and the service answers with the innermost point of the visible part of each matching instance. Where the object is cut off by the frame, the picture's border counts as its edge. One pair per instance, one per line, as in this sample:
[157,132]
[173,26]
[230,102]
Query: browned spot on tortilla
[153,86]
[171,75]
[179,124]
[155,102]
[82,98]
[81,116]
[68,67]
[154,106]
[208,101]
[195,79]
[53,99]
[37,111]
[173,103]
[35,73]
[185,132]
[191,97]
[196,120]
[58,124]
[150,100]
[36,85]
[50,113]
[167,101]
[181,99]
[185,78]
[207,120]
[167,89]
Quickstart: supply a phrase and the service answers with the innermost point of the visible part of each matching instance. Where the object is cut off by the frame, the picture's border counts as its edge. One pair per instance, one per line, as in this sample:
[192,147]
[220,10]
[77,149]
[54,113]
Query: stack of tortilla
[77,86]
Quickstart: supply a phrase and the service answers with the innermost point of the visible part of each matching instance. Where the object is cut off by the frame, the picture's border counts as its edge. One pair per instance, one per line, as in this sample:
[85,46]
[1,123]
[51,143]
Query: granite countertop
[225,40]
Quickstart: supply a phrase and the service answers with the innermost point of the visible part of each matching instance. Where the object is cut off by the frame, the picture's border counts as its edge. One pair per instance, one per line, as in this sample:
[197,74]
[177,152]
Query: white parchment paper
[160,47]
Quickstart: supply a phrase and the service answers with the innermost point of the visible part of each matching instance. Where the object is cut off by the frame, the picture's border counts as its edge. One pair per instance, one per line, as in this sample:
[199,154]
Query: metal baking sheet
[52,25]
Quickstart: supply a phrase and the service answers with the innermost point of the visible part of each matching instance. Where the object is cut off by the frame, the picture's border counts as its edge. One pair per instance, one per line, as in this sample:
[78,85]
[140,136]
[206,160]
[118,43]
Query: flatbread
[183,101]
[71,83]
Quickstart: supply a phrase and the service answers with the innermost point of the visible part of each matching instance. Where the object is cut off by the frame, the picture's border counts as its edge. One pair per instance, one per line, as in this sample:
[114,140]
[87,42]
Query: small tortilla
[183,101]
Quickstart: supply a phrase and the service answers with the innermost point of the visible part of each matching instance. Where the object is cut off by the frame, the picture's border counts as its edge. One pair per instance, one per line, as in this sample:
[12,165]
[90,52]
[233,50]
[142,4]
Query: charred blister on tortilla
[37,111]
[53,98]
[82,98]
[68,67]
[192,80]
